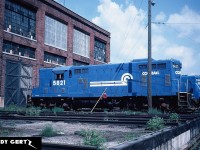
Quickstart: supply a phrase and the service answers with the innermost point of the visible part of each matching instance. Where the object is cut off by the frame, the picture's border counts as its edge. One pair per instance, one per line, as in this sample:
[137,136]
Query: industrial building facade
[42,33]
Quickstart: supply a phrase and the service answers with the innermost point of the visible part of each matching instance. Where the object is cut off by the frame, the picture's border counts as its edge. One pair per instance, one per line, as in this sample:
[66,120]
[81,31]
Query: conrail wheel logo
[22,143]
[123,82]
[127,76]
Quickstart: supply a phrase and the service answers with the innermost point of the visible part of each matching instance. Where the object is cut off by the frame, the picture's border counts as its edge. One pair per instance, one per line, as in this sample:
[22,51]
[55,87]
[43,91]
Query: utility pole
[149,85]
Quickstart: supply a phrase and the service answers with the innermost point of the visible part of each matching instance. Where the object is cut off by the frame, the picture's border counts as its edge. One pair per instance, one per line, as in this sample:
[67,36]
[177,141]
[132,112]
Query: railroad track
[100,118]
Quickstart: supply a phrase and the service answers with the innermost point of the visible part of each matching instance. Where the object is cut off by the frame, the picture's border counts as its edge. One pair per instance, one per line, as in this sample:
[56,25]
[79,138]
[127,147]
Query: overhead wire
[185,36]
[127,31]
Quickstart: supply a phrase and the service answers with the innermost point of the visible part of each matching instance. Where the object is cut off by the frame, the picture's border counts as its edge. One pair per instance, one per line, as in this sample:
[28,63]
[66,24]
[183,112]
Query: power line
[127,31]
[189,23]
[185,36]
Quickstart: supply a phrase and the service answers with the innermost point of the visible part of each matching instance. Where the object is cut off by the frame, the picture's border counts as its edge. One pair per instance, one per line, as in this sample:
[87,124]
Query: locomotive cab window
[60,76]
[142,66]
[70,73]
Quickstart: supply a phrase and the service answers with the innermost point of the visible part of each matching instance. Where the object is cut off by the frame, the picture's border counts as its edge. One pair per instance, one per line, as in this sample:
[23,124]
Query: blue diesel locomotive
[121,85]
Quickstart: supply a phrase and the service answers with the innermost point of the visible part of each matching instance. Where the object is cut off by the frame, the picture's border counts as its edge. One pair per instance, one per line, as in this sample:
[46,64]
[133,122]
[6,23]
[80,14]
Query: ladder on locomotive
[184,99]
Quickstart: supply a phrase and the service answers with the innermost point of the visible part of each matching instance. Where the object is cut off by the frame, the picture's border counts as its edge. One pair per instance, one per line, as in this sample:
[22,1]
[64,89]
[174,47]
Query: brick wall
[57,11]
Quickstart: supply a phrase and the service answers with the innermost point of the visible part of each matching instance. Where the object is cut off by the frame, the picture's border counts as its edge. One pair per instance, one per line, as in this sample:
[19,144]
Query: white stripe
[108,83]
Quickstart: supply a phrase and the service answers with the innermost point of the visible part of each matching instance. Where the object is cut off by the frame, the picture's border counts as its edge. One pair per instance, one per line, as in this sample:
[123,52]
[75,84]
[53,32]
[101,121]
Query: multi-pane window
[81,43]
[55,33]
[99,51]
[79,63]
[55,59]
[79,71]
[19,19]
[17,49]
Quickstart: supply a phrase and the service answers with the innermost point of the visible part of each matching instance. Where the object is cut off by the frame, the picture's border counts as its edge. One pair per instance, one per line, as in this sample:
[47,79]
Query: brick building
[43,33]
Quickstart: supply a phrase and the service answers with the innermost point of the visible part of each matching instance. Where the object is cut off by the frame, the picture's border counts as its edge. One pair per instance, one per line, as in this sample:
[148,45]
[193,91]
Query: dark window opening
[55,59]
[19,20]
[142,66]
[79,63]
[84,70]
[17,49]
[78,71]
[70,73]
[153,66]
[100,51]
[60,76]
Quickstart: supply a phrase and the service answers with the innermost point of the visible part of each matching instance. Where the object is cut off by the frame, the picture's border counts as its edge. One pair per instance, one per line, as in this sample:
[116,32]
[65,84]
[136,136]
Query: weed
[11,107]
[174,117]
[57,109]
[92,138]
[155,123]
[33,111]
[48,131]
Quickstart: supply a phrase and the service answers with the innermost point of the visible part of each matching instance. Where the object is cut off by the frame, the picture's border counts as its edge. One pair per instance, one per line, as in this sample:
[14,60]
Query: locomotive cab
[191,85]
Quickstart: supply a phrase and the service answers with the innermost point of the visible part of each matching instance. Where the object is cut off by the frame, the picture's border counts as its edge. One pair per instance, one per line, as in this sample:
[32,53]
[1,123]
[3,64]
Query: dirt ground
[67,132]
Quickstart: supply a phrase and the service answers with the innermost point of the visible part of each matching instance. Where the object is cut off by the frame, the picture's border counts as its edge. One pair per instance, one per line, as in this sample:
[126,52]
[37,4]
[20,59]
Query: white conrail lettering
[153,73]
[58,82]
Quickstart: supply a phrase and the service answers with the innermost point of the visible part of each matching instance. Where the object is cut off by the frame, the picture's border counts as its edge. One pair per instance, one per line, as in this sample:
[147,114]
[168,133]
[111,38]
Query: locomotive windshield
[177,65]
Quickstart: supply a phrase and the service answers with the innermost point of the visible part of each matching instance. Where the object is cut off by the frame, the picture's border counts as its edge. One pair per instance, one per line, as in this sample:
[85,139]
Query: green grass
[174,117]
[156,123]
[48,131]
[57,109]
[33,111]
[154,111]
[93,138]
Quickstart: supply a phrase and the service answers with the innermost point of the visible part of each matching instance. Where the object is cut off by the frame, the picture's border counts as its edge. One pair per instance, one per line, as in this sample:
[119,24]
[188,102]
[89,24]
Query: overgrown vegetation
[156,123]
[11,107]
[57,109]
[48,131]
[93,138]
[174,117]
[154,111]
[33,111]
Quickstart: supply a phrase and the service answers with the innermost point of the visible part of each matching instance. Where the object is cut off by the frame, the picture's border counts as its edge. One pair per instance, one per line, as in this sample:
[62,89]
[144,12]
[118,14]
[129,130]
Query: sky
[175,29]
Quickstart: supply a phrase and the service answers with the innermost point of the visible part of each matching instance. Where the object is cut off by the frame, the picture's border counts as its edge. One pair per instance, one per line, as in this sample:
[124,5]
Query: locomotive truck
[122,85]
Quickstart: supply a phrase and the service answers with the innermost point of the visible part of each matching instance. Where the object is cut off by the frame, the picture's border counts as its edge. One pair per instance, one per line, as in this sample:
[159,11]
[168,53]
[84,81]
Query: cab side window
[60,76]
